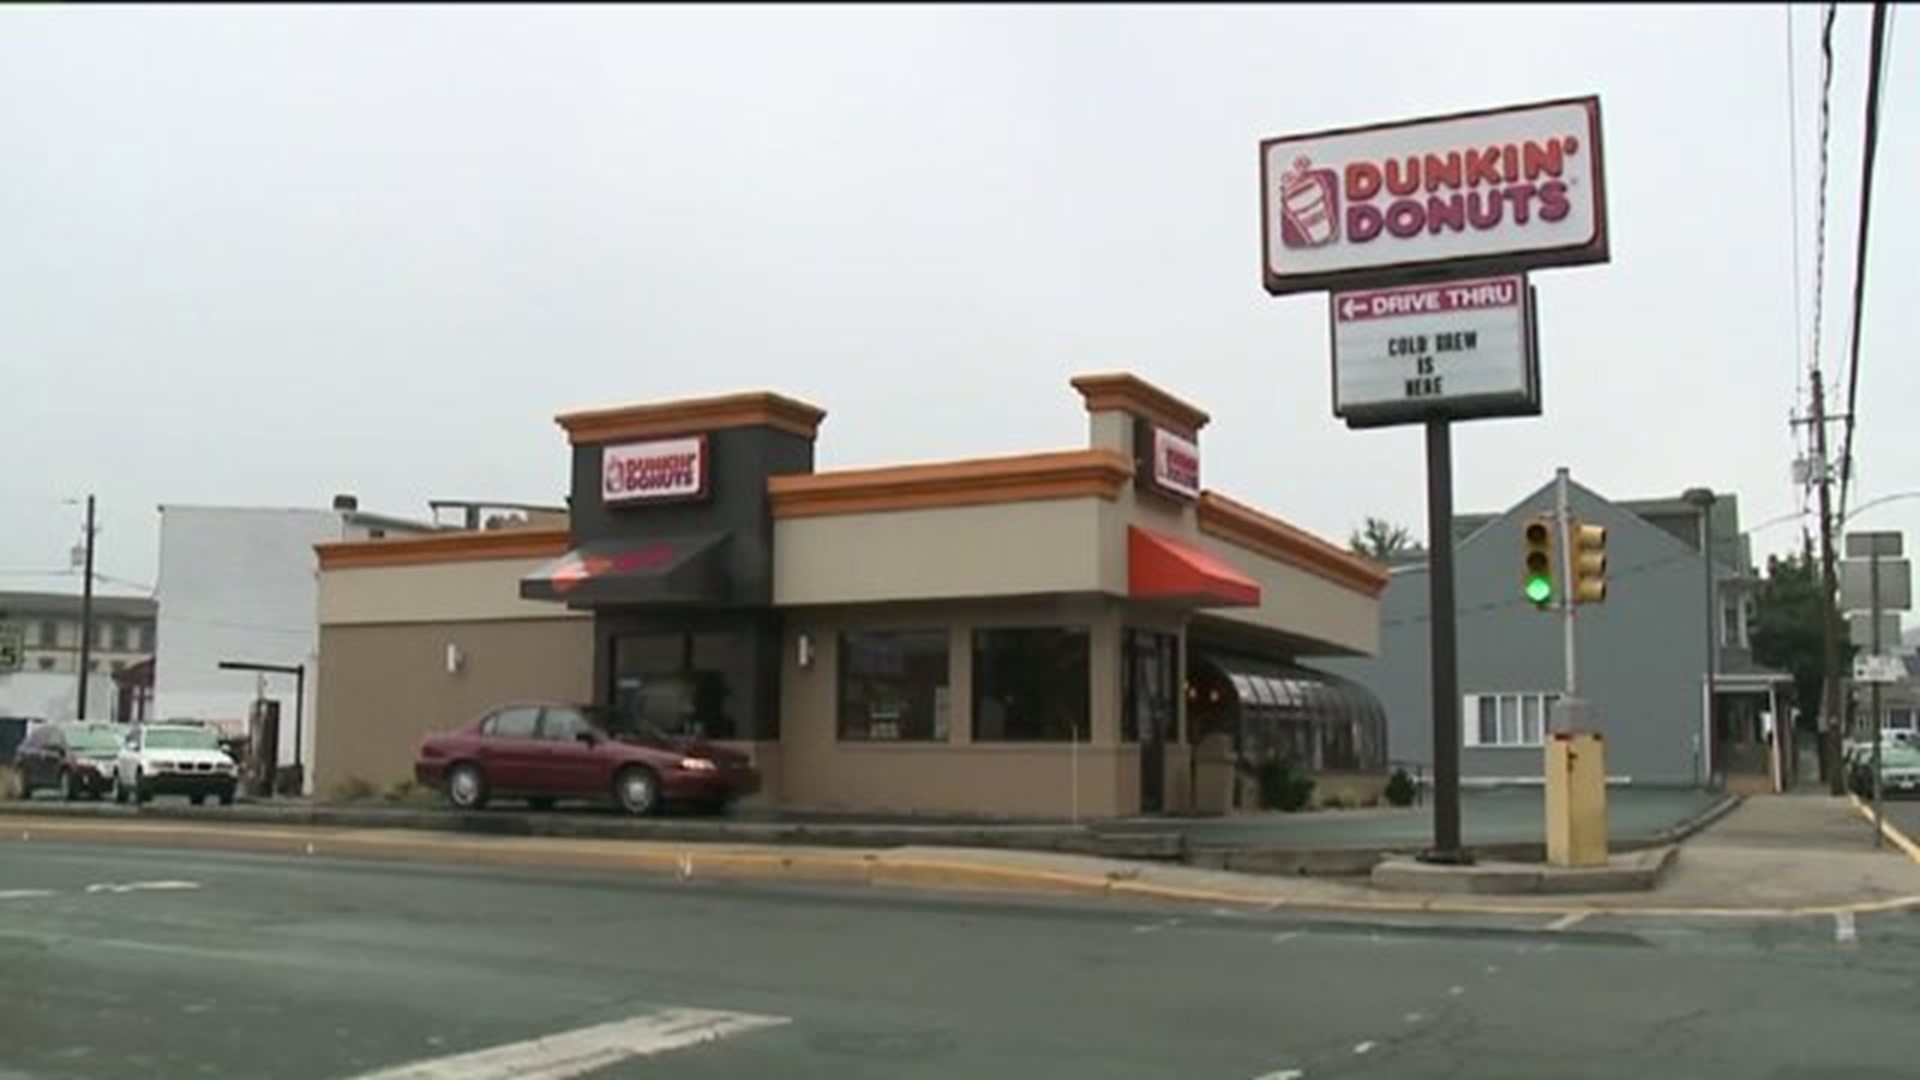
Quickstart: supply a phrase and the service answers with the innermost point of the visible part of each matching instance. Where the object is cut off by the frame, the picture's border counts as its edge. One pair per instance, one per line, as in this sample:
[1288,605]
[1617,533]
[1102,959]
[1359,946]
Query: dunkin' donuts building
[1086,632]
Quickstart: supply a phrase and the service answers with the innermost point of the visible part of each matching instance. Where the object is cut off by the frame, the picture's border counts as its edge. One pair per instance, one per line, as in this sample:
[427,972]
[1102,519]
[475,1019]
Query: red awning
[1162,568]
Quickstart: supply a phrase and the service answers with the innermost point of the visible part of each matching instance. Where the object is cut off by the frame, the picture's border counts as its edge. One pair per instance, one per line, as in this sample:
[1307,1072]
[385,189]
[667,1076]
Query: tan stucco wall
[1299,603]
[479,589]
[1010,549]
[1293,601]
[958,776]
[382,687]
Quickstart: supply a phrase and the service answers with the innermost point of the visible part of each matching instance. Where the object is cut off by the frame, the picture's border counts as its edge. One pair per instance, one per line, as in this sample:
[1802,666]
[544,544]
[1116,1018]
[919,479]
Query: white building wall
[238,583]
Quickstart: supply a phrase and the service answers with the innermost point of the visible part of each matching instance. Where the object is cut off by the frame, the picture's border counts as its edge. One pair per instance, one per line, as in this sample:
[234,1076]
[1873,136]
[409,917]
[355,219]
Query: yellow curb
[870,868]
[1888,829]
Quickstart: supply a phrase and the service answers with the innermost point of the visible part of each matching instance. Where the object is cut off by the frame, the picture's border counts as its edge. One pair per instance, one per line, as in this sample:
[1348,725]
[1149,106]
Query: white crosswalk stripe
[574,1053]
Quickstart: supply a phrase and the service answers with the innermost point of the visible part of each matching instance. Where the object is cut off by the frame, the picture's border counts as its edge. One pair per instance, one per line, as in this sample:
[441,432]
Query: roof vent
[348,503]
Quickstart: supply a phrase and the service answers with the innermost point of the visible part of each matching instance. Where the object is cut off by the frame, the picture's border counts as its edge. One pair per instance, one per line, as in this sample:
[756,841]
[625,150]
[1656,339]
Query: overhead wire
[1870,145]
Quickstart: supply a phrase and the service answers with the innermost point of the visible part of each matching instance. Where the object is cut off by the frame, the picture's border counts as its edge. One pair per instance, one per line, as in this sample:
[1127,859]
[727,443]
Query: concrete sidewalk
[1772,857]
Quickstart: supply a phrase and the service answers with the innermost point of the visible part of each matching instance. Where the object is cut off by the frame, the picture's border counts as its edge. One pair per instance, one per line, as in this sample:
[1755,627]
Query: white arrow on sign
[1350,306]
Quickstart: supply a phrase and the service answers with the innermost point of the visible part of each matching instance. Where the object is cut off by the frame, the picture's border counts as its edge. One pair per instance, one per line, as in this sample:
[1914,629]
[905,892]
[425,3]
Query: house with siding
[1673,625]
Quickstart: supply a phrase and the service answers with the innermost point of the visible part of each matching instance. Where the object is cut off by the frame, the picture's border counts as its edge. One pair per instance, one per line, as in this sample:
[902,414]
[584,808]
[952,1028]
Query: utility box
[1576,799]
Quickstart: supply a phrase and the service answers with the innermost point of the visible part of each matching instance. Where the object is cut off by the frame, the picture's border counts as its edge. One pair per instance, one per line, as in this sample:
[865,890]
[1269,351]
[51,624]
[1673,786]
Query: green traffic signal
[1539,589]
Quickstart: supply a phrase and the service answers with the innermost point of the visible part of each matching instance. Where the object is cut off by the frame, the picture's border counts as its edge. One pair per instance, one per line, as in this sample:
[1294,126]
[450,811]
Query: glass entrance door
[1149,675]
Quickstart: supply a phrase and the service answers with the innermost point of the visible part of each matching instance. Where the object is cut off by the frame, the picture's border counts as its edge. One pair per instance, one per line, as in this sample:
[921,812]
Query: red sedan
[546,751]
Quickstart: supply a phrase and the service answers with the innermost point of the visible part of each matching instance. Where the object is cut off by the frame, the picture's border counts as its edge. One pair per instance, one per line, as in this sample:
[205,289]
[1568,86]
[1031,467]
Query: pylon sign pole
[1431,313]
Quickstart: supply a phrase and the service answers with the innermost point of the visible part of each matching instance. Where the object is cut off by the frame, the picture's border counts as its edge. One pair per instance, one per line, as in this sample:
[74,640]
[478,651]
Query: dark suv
[73,757]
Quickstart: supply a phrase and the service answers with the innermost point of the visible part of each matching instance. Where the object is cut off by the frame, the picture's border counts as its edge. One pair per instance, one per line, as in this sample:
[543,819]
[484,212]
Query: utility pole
[86,617]
[1829,633]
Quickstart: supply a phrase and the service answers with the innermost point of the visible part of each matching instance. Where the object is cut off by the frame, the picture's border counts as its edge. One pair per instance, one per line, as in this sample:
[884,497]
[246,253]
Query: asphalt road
[121,962]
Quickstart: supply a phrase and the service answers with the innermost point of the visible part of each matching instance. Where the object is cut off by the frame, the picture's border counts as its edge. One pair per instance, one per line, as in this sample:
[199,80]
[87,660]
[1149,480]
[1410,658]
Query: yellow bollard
[1576,799]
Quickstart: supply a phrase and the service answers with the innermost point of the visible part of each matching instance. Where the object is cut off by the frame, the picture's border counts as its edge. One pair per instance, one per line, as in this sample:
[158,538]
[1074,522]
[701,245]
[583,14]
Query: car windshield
[1899,757]
[181,739]
[93,740]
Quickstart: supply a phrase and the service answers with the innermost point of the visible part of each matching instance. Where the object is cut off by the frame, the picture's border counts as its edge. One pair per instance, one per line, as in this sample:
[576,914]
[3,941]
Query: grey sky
[258,256]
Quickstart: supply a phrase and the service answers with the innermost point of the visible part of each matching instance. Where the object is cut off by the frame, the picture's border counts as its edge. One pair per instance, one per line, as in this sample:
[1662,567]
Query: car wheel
[466,788]
[197,800]
[141,793]
[69,790]
[541,803]
[226,798]
[119,790]
[637,790]
[25,784]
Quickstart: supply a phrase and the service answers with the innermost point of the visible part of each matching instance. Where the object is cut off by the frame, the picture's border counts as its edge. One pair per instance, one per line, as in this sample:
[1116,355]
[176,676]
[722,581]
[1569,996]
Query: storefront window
[893,686]
[1031,685]
[682,684]
[1149,677]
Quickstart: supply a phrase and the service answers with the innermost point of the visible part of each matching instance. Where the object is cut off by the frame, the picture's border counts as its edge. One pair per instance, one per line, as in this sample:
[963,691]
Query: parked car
[72,757]
[173,759]
[1899,771]
[547,751]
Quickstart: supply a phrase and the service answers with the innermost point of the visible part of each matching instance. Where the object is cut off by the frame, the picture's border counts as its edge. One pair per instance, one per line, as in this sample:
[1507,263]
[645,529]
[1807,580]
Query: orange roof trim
[1066,474]
[446,547]
[690,415]
[1132,394]
[1242,525]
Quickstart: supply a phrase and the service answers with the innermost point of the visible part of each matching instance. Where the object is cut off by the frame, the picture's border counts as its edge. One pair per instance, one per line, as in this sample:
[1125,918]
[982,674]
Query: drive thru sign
[1452,348]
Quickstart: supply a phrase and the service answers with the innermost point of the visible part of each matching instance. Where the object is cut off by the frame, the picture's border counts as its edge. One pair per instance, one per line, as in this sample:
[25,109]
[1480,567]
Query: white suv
[173,759]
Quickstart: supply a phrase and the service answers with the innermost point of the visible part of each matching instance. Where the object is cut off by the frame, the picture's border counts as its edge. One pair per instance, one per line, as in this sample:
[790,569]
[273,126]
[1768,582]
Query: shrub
[1401,789]
[1336,801]
[1283,788]
[353,789]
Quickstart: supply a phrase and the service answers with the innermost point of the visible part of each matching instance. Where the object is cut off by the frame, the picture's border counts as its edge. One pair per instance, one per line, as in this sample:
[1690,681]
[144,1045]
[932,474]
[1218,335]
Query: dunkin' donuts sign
[1506,190]
[654,471]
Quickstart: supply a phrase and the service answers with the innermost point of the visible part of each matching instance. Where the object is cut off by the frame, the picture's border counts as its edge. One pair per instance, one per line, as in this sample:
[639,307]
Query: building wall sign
[1453,349]
[1501,190]
[656,471]
[1169,462]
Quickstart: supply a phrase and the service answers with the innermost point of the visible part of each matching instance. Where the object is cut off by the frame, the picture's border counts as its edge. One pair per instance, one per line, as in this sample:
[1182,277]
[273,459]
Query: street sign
[1861,545]
[1878,669]
[1494,191]
[1454,349]
[13,648]
[1860,629]
[1896,585]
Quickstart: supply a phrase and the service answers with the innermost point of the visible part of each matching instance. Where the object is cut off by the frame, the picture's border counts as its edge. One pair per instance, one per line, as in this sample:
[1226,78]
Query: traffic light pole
[1563,521]
[1445,644]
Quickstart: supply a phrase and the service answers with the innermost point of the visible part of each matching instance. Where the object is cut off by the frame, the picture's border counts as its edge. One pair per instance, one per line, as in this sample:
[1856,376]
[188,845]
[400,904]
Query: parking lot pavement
[126,964]
[1503,815]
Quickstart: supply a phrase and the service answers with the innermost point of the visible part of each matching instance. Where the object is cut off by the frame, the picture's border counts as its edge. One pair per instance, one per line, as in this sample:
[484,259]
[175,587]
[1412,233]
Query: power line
[1820,213]
[1793,203]
[1876,64]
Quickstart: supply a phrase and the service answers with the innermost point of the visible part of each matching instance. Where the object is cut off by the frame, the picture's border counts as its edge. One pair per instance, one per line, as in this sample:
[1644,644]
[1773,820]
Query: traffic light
[1589,563]
[1536,574]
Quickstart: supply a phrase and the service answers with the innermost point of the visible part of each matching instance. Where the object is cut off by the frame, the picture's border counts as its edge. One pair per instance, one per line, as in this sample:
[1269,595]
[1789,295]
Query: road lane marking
[585,1050]
[24,894]
[1364,1047]
[1568,920]
[1283,1074]
[143,886]
[1844,930]
[1283,938]
[1414,1017]
[1888,829]
[1456,991]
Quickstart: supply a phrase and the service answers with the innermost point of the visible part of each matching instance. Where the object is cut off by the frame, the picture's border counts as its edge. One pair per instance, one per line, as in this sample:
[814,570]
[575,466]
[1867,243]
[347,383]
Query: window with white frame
[1516,719]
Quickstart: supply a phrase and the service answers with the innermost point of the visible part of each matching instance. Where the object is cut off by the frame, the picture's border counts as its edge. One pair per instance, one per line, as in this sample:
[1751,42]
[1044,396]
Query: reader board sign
[1448,349]
[1497,191]
[655,471]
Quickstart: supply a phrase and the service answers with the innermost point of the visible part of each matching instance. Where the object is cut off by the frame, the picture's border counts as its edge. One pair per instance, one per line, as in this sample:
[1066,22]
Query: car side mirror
[591,738]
